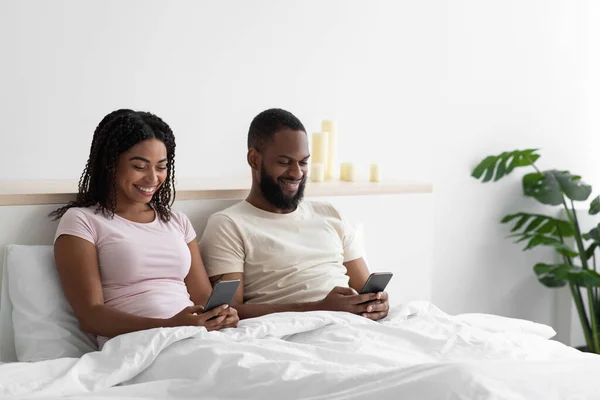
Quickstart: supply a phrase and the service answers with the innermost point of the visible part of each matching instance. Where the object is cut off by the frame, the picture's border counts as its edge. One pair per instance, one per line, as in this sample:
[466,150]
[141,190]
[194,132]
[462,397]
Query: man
[289,255]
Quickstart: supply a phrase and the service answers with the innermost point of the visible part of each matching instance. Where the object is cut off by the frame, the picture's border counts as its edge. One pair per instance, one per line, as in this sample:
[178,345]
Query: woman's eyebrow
[145,159]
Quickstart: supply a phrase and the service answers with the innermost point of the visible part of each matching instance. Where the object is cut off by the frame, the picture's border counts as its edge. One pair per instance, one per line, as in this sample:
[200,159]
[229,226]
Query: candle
[375,173]
[348,172]
[317,172]
[320,148]
[330,127]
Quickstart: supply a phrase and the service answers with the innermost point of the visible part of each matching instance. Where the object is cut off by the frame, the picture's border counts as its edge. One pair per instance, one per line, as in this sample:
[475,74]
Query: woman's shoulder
[78,213]
[81,222]
[179,218]
[93,217]
[183,223]
[91,213]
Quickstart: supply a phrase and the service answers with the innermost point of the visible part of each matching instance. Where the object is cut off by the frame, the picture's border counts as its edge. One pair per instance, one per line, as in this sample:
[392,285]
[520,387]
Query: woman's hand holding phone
[231,319]
[224,317]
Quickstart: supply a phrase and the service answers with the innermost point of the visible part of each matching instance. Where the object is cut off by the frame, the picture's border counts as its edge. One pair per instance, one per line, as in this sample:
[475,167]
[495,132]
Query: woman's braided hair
[115,134]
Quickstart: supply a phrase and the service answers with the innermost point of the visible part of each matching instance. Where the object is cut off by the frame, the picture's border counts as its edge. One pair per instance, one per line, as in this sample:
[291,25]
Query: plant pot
[583,349]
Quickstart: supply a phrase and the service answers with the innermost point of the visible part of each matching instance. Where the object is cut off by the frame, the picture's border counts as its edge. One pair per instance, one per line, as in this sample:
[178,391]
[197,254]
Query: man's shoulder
[242,211]
[231,213]
[228,226]
[320,208]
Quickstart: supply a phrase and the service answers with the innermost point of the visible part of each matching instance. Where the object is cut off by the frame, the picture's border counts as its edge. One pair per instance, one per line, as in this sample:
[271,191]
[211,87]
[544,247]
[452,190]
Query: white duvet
[417,352]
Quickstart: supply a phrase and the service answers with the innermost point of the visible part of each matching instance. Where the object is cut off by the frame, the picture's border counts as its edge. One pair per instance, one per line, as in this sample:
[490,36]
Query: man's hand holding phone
[346,299]
[378,308]
[376,283]
[372,302]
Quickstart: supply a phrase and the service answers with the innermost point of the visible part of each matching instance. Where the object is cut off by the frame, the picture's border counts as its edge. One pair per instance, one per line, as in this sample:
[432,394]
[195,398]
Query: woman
[125,260]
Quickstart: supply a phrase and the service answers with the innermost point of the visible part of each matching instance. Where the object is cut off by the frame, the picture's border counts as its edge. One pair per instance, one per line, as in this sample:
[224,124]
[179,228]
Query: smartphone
[377,282]
[222,293]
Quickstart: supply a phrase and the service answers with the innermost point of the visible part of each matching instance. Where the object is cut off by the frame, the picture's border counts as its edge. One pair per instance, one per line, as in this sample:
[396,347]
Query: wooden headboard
[396,220]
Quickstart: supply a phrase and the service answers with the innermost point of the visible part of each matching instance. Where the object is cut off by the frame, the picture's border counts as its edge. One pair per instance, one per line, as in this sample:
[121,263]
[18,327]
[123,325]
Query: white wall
[208,68]
[425,88]
[519,74]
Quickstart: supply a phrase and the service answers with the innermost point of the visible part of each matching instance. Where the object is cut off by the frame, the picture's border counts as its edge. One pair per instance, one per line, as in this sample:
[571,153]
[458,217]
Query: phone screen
[222,293]
[377,282]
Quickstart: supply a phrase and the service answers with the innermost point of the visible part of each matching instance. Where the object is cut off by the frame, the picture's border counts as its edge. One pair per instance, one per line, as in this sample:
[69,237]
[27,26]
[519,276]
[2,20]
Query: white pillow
[497,323]
[43,321]
[7,340]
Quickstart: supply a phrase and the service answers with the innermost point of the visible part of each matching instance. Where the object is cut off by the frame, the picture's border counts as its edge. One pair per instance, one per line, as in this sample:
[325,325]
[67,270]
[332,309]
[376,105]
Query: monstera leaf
[548,187]
[595,206]
[557,275]
[593,235]
[504,163]
[554,187]
[535,240]
[539,224]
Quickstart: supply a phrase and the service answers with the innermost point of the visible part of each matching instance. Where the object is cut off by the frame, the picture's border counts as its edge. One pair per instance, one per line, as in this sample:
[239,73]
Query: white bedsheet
[418,352]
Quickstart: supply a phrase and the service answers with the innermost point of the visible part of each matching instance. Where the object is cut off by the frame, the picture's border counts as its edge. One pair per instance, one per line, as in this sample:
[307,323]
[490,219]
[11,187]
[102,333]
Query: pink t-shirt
[142,265]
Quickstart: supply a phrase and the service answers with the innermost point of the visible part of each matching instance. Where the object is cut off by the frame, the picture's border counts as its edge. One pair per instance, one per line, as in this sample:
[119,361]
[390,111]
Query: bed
[417,352]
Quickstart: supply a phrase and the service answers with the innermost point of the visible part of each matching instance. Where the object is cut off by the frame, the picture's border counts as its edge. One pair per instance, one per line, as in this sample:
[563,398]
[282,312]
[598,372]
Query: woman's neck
[125,207]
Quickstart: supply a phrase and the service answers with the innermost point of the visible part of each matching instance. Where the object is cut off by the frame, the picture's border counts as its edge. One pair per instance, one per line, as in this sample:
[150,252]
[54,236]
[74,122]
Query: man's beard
[274,194]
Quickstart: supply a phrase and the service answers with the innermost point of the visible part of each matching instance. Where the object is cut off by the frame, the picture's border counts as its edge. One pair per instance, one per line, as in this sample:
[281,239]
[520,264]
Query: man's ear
[253,158]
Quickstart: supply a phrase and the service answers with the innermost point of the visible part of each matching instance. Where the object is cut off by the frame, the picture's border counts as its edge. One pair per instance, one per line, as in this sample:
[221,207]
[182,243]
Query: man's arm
[339,299]
[257,310]
[358,272]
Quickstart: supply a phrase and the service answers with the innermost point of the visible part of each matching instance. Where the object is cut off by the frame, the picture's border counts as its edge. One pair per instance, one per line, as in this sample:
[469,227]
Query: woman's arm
[197,282]
[199,288]
[77,263]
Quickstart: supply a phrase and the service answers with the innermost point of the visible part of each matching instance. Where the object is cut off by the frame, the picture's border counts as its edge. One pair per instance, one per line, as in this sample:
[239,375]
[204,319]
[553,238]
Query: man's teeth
[288,183]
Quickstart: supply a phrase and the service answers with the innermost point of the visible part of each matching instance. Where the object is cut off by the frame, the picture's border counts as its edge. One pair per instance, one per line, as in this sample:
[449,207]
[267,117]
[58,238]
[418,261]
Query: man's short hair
[269,122]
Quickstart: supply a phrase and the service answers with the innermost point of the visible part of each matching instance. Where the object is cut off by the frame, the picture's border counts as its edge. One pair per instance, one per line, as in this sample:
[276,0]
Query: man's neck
[256,198]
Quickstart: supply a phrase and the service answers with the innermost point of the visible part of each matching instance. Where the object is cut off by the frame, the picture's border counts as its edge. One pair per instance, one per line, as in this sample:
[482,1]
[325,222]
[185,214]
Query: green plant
[578,267]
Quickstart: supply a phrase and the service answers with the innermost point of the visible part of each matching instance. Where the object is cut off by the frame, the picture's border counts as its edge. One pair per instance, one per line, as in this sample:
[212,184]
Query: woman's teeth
[146,189]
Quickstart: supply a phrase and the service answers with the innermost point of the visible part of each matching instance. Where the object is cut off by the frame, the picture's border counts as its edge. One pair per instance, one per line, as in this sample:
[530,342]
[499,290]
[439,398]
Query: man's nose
[295,171]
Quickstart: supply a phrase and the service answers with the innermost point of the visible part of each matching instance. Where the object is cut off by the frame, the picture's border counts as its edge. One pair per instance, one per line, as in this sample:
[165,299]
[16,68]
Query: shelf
[61,192]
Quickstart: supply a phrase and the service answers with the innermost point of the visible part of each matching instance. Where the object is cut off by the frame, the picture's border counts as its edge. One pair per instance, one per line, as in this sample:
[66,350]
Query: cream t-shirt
[285,258]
